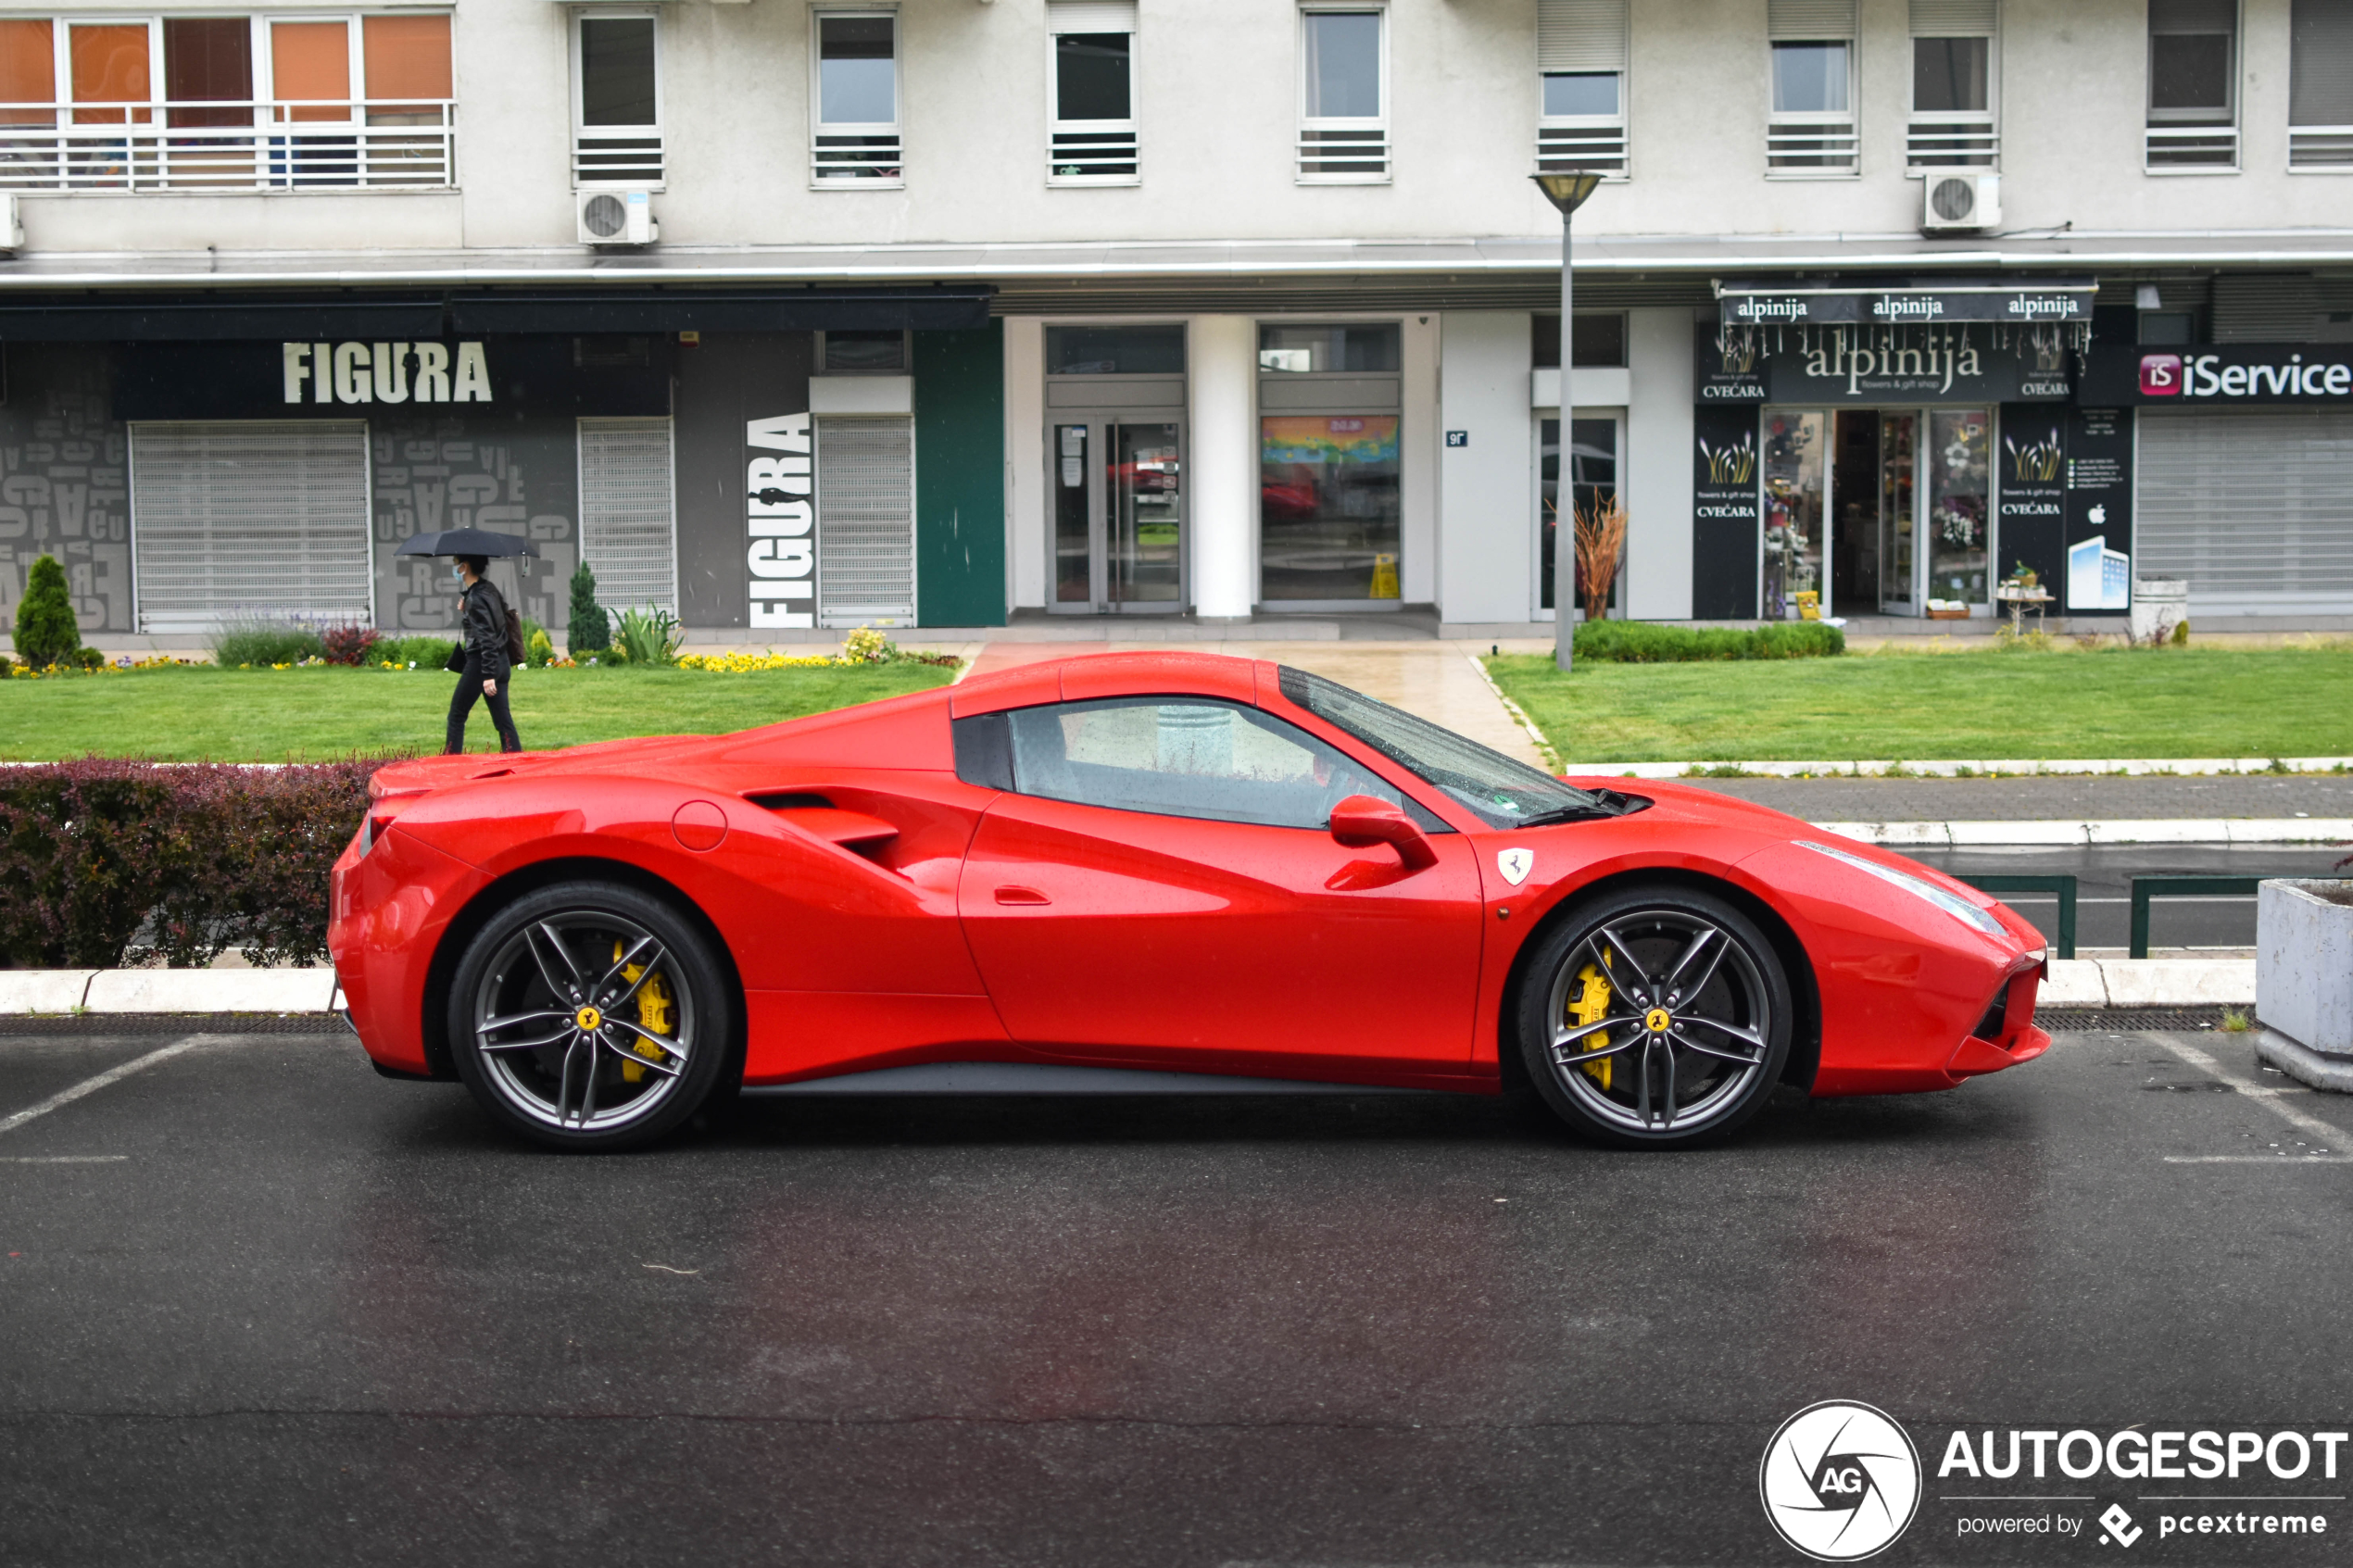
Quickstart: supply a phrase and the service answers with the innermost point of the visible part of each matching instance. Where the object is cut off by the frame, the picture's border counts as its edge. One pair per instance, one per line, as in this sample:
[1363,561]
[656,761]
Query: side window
[1178,757]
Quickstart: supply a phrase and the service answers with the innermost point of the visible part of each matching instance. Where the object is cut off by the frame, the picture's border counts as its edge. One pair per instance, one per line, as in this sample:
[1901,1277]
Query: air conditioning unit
[615,218]
[1960,198]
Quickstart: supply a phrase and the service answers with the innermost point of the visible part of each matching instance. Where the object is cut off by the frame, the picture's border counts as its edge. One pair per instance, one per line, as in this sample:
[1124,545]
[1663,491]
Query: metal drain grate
[2093,1021]
[86,1025]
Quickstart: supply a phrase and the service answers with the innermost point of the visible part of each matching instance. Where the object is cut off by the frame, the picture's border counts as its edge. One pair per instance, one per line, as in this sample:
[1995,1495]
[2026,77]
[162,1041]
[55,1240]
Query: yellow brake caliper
[653,1015]
[1591,1007]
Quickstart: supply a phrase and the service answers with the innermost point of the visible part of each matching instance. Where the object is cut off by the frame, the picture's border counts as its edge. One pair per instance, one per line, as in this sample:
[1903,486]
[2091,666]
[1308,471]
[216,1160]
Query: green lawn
[203,714]
[1888,705]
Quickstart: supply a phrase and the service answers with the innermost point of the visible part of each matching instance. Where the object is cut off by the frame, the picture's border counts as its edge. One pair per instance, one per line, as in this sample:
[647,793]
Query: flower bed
[103,863]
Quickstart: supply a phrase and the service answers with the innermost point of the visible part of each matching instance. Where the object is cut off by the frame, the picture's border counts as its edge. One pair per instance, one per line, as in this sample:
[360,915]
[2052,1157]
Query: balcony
[2191,149]
[215,145]
[1094,157]
[2320,149]
[865,159]
[1808,147]
[1355,156]
[1596,143]
[1952,142]
[630,157]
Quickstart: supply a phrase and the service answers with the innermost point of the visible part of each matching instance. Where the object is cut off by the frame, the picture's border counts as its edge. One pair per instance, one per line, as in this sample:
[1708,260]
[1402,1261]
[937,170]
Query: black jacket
[484,622]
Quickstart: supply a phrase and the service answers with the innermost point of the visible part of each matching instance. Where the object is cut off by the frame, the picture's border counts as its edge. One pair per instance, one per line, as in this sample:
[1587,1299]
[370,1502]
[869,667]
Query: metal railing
[2063,886]
[2321,148]
[1349,154]
[1952,144]
[261,144]
[633,156]
[2145,888]
[1597,144]
[1831,145]
[1092,156]
[2197,149]
[843,158]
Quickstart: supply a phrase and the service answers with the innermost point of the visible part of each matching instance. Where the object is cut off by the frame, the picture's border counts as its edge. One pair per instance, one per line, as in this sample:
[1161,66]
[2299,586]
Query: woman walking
[484,623]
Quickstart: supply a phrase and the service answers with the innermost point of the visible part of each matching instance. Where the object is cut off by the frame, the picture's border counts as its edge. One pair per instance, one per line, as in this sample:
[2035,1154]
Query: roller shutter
[1952,18]
[1580,35]
[865,520]
[1091,16]
[249,520]
[1809,20]
[628,532]
[2250,506]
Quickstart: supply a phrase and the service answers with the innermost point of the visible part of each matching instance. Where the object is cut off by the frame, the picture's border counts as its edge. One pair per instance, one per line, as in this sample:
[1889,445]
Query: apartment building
[789,317]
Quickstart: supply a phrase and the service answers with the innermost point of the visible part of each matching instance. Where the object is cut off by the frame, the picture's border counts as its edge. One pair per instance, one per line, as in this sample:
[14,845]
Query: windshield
[1501,792]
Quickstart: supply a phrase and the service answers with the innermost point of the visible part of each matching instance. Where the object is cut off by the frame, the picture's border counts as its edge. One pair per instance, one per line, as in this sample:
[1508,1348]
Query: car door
[1159,886]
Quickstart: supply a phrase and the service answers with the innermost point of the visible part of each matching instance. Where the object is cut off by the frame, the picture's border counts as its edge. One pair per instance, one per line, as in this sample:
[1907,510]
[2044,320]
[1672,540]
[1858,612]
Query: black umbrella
[464,541]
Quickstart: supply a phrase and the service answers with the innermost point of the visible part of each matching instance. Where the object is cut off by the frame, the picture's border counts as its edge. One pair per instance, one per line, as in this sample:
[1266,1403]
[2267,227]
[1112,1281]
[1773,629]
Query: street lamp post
[1568,192]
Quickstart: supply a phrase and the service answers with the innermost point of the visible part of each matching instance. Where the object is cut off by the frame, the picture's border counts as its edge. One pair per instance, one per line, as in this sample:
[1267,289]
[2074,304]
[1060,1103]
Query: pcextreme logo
[1840,1481]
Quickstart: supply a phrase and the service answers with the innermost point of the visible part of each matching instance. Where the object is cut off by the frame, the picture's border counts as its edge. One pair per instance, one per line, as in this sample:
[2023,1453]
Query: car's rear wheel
[589,1016]
[1655,1017]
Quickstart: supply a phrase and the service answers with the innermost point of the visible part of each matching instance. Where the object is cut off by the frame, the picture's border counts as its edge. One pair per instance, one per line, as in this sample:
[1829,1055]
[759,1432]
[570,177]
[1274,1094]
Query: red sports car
[1142,872]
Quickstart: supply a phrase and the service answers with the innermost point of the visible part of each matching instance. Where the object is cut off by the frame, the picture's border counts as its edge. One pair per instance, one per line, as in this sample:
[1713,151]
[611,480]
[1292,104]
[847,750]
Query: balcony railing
[258,145]
[1952,144]
[2320,148]
[1350,155]
[631,156]
[1093,158]
[1811,147]
[866,158]
[2192,149]
[1595,143]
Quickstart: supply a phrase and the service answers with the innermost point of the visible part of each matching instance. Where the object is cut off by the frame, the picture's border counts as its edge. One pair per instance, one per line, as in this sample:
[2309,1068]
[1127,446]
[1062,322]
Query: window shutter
[1091,16]
[627,533]
[1580,35]
[1953,19]
[1810,18]
[249,519]
[2265,307]
[865,520]
[2320,63]
[2245,503]
[2194,16]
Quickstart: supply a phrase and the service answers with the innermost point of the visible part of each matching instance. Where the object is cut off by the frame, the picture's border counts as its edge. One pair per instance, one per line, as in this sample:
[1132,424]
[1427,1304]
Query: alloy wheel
[584,1022]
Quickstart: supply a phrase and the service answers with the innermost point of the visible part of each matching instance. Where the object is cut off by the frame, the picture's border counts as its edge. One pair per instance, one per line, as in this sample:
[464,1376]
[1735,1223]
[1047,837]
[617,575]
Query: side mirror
[1361,820]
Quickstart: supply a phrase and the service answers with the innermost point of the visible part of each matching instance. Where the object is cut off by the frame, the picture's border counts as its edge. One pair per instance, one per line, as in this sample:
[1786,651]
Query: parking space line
[2271,1099]
[2259,1160]
[91,1085]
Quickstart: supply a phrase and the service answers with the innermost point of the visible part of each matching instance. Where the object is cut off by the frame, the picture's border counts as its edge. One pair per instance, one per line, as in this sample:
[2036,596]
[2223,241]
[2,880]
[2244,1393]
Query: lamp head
[1569,189]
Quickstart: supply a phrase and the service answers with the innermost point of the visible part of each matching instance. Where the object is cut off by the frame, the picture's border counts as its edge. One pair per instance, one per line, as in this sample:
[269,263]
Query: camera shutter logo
[1840,1481]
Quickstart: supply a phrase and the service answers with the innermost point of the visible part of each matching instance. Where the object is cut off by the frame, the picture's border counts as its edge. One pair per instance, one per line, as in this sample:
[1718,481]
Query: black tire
[1692,1015]
[564,1040]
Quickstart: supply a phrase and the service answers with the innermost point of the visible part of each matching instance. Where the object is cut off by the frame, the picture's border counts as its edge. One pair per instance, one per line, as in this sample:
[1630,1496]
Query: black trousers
[462,703]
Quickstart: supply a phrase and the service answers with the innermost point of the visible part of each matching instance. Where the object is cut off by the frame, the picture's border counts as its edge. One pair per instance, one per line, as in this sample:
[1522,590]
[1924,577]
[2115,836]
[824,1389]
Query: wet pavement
[265,1307]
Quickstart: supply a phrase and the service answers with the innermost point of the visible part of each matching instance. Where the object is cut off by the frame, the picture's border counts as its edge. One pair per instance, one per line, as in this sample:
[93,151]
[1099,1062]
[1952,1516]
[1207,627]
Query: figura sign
[379,373]
[783,553]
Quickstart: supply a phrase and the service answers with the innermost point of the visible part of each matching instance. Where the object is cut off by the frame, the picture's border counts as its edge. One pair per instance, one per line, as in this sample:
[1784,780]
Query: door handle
[1021,895]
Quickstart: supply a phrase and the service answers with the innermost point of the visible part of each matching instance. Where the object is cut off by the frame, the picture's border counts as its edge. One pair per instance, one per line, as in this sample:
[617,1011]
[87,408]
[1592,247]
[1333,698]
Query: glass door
[1796,484]
[1959,507]
[1118,516]
[1898,519]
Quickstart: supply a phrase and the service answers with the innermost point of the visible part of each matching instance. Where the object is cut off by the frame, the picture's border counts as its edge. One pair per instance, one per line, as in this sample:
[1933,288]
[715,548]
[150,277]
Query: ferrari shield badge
[1514,864]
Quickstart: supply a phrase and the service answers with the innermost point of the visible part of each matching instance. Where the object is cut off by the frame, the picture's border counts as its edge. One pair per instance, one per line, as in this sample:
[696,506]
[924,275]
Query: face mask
[459,572]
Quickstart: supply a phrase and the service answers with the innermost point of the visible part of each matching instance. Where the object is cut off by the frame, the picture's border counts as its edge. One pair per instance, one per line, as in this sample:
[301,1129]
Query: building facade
[790,316]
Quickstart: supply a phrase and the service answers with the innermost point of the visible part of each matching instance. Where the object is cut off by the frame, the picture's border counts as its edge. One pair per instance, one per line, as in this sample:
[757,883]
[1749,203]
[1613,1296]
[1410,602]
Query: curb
[2304,1064]
[1965,768]
[169,990]
[2177,830]
[2148,982]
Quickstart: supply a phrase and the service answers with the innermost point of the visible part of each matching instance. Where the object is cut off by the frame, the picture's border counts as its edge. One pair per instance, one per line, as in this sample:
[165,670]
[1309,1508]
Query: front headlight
[1960,909]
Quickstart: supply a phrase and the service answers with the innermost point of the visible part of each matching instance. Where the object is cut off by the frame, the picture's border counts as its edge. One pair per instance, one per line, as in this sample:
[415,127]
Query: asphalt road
[263,1307]
[2055,799]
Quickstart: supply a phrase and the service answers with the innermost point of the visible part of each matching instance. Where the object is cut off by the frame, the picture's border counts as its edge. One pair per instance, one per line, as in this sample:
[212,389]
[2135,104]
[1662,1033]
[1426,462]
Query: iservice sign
[2227,374]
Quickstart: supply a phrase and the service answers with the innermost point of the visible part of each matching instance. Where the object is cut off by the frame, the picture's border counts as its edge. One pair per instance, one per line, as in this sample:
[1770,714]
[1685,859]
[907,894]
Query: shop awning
[343,317]
[2012,302]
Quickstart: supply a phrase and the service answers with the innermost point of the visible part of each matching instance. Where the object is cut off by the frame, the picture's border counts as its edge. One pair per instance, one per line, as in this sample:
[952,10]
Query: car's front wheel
[1655,1017]
[589,1016]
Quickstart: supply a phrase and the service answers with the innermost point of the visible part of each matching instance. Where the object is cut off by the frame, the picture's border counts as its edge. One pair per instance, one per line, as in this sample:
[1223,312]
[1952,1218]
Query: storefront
[759,485]
[1896,451]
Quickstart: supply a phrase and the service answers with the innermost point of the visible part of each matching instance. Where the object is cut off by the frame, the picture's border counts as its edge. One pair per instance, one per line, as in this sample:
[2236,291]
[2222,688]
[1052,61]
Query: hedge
[106,862]
[1647,642]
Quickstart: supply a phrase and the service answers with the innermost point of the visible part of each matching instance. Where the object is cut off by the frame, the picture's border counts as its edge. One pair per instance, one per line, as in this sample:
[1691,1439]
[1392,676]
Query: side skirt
[1045,1078]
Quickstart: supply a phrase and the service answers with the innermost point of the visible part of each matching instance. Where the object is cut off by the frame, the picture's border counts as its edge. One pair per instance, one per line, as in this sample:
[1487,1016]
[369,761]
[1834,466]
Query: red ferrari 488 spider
[1142,872]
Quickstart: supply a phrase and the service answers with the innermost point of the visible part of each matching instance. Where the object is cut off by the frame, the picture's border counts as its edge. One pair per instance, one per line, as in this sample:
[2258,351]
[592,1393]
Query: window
[1344,114]
[2193,125]
[1115,351]
[237,102]
[1953,122]
[616,140]
[1812,131]
[856,94]
[869,352]
[1195,757]
[1092,79]
[1329,403]
[2320,93]
[1580,63]
[1599,344]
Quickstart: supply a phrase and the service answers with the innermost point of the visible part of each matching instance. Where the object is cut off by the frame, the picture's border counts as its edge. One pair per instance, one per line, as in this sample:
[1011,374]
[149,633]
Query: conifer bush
[45,628]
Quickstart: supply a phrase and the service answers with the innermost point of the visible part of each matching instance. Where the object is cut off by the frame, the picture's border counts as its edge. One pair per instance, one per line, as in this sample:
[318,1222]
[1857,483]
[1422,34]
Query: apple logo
[2097,516]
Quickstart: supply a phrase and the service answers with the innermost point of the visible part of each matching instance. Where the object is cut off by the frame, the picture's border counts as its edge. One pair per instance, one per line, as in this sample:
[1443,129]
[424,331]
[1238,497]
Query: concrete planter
[2304,979]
